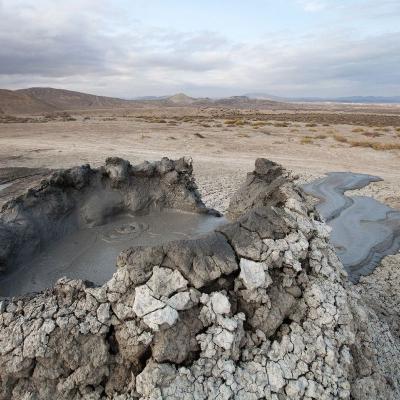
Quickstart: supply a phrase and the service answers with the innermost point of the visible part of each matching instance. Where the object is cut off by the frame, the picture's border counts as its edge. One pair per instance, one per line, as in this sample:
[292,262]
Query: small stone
[165,281]
[275,377]
[220,303]
[144,302]
[252,274]
[224,339]
[180,301]
[103,313]
[166,316]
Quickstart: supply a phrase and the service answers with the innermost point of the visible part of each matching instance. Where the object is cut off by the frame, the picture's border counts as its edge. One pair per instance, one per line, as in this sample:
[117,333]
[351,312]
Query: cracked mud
[259,308]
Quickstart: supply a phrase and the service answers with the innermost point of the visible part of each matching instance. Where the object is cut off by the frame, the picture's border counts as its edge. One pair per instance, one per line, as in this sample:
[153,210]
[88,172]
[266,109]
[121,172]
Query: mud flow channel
[363,229]
[4,185]
[91,253]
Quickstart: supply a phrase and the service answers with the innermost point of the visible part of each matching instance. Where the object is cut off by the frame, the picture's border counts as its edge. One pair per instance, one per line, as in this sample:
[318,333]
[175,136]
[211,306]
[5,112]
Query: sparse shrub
[372,134]
[258,124]
[243,135]
[235,122]
[340,138]
[357,130]
[321,137]
[311,125]
[205,125]
[281,125]
[199,135]
[306,140]
[172,137]
[376,145]
[86,118]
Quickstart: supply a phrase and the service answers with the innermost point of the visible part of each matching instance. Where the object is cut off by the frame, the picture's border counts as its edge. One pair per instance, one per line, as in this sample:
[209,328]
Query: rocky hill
[39,100]
[13,102]
[69,100]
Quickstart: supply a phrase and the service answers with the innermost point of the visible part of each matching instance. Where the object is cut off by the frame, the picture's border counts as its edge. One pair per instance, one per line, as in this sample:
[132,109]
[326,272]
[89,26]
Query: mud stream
[5,185]
[91,253]
[363,229]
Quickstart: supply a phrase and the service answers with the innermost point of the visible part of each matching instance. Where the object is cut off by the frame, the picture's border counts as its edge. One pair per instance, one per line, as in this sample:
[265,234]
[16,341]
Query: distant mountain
[345,99]
[263,96]
[70,100]
[12,102]
[369,99]
[181,99]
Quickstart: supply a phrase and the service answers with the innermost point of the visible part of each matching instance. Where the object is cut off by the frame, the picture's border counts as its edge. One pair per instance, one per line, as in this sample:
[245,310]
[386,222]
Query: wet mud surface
[363,229]
[91,253]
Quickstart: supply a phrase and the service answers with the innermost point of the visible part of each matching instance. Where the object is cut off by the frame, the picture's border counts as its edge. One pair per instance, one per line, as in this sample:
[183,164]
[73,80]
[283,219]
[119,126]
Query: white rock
[275,377]
[103,313]
[252,274]
[220,303]
[165,281]
[180,301]
[165,316]
[224,339]
[144,302]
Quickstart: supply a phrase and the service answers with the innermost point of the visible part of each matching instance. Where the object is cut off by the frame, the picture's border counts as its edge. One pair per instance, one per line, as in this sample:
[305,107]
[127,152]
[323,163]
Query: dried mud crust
[16,180]
[258,309]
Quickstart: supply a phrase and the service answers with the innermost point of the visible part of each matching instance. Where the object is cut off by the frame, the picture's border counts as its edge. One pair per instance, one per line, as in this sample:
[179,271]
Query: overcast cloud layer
[130,48]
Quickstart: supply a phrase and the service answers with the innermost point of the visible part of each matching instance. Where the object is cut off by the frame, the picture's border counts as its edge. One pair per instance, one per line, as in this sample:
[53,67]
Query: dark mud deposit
[91,253]
[363,229]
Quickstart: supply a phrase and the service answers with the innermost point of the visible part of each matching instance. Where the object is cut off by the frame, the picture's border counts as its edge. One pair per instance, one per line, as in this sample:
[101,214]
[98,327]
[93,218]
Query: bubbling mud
[91,253]
[363,229]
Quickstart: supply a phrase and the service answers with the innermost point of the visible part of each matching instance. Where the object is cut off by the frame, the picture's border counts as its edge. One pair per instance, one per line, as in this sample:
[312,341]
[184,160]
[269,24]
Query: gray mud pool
[363,229]
[91,253]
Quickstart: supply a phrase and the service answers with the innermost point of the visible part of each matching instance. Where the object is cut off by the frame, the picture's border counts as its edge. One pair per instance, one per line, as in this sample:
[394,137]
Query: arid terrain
[49,129]
[223,137]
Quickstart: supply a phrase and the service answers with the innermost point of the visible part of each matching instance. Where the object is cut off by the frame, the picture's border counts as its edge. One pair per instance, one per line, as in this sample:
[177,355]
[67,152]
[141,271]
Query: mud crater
[76,223]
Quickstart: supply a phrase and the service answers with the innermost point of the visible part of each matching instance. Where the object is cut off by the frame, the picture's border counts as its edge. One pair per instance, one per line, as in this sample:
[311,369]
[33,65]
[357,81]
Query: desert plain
[224,141]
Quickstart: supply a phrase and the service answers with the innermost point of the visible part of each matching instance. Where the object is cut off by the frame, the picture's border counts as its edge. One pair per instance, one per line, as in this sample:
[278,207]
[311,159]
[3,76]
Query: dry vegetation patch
[340,138]
[376,145]
[372,134]
[307,140]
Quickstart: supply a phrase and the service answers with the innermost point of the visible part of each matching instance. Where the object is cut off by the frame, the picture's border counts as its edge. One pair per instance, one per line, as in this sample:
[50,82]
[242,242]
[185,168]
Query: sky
[215,48]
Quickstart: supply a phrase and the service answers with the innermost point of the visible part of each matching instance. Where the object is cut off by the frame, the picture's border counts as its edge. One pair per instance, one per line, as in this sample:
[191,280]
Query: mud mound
[257,309]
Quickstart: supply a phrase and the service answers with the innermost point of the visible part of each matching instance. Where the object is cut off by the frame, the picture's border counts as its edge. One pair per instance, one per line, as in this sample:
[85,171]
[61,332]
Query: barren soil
[223,147]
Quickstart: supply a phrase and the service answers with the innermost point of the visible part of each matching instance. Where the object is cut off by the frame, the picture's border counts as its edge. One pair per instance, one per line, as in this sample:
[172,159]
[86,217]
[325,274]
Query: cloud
[88,46]
[313,5]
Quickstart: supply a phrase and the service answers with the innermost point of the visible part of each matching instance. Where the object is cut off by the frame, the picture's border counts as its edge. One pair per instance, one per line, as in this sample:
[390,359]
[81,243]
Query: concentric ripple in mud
[91,253]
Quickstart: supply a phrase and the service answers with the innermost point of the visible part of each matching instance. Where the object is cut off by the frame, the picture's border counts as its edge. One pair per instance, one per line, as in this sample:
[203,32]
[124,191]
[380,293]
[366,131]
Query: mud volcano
[256,308]
[77,222]
[363,229]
